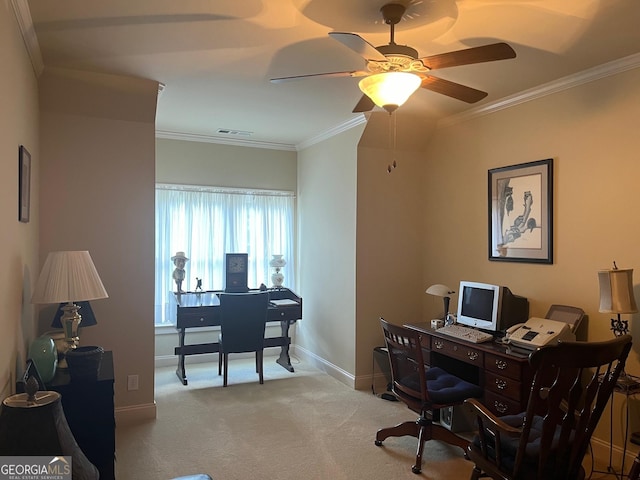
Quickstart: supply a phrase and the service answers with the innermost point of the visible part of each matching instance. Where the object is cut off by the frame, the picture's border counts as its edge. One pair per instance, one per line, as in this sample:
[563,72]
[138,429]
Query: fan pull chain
[392,140]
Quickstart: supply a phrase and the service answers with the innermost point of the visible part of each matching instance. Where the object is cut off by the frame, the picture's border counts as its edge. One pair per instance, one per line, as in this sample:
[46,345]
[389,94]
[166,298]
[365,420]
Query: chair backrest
[242,321]
[571,387]
[407,365]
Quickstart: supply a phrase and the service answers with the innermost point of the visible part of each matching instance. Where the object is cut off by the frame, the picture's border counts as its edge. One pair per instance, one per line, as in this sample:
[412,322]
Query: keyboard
[465,333]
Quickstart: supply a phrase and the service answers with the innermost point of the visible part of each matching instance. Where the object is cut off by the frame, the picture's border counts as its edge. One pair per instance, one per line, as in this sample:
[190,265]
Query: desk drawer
[196,319]
[284,313]
[505,366]
[463,352]
[505,386]
[500,405]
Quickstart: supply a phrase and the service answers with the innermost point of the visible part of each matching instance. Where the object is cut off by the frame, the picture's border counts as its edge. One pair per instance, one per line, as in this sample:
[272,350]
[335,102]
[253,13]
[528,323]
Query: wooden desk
[197,310]
[504,378]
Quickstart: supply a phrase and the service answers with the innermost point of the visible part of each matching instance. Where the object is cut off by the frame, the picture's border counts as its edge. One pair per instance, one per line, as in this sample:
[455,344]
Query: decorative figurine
[179,260]
[198,284]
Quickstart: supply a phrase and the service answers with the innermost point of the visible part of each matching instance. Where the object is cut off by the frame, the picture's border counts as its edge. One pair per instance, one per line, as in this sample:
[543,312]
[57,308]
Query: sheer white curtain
[206,223]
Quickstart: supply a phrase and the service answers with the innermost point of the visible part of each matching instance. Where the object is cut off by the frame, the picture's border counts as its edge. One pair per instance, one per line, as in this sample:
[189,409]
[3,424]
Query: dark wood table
[201,309]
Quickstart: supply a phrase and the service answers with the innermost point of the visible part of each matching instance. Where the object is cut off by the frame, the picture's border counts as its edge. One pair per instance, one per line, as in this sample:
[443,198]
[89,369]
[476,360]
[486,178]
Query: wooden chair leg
[219,362]
[406,428]
[260,365]
[476,473]
[225,368]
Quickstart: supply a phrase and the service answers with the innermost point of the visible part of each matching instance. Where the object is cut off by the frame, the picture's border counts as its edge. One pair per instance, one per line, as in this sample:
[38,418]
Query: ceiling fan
[393,58]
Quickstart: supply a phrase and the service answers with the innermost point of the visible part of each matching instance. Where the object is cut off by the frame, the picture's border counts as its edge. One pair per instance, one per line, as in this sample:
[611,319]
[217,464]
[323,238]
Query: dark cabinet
[89,409]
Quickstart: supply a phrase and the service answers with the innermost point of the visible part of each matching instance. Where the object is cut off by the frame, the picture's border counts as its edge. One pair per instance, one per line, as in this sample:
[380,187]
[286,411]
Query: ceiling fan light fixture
[389,90]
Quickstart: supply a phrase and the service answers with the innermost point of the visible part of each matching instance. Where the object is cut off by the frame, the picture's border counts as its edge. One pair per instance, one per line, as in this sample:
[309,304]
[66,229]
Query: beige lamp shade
[68,277]
[616,291]
[389,90]
[439,290]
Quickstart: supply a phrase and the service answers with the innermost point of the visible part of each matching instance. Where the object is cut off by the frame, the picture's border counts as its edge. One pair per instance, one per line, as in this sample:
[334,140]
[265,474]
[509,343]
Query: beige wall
[18,241]
[327,243]
[591,133]
[390,232]
[97,194]
[194,163]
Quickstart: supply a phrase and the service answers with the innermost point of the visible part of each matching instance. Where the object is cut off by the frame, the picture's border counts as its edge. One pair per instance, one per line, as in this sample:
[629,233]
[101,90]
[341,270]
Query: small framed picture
[521,212]
[24,196]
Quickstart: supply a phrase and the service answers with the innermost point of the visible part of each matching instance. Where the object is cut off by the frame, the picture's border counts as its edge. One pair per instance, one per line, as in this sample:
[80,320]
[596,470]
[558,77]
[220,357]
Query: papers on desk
[285,302]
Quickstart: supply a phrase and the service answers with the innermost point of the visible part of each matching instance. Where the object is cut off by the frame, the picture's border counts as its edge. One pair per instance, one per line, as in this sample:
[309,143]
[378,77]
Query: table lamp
[69,277]
[616,296]
[443,291]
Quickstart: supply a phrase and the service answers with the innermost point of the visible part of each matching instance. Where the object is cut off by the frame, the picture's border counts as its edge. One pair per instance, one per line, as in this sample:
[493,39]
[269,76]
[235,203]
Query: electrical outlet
[132,382]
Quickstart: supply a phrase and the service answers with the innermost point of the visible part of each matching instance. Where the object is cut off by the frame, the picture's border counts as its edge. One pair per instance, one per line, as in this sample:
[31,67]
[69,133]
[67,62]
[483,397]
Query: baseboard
[601,454]
[326,366]
[135,414]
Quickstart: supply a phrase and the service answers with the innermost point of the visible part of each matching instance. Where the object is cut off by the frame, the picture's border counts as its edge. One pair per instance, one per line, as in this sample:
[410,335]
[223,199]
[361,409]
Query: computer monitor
[490,307]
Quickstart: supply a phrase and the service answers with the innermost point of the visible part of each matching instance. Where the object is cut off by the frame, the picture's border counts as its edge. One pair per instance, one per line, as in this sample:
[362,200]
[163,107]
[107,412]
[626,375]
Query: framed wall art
[521,212]
[24,174]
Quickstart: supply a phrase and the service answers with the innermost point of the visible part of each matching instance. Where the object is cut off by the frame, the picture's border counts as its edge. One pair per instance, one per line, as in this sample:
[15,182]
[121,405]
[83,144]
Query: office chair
[242,323]
[423,389]
[572,384]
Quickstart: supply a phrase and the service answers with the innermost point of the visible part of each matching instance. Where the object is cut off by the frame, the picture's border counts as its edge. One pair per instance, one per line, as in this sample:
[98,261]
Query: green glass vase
[45,356]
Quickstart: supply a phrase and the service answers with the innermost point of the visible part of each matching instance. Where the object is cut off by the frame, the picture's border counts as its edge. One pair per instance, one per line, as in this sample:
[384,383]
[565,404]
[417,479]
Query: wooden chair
[571,386]
[423,389]
[243,317]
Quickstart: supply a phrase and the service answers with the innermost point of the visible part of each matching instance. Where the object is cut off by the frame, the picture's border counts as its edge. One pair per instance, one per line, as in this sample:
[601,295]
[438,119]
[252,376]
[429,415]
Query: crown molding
[343,127]
[238,142]
[195,137]
[564,83]
[25,24]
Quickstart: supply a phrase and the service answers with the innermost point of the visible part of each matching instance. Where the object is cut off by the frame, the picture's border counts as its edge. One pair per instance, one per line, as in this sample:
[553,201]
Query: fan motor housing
[394,50]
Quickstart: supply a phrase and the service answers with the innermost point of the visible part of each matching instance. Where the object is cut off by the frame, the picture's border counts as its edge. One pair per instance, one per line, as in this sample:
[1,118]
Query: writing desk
[505,378]
[201,309]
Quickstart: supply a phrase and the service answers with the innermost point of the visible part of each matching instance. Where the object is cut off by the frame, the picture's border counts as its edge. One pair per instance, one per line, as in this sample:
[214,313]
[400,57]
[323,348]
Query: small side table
[627,385]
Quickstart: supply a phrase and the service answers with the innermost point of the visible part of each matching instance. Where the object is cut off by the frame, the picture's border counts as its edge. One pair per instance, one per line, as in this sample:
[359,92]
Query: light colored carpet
[301,425]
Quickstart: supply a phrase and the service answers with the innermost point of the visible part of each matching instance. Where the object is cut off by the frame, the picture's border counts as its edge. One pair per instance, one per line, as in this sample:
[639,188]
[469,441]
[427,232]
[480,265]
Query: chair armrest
[489,420]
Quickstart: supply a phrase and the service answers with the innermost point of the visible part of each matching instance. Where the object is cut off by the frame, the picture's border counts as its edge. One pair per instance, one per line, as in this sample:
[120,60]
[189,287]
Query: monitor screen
[478,305]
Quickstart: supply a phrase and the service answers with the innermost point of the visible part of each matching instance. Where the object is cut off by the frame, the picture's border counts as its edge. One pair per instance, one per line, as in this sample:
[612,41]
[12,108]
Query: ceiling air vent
[238,133]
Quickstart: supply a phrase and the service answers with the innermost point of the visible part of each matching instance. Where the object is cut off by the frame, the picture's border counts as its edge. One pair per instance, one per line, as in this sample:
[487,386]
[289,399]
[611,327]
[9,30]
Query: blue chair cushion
[444,388]
[510,445]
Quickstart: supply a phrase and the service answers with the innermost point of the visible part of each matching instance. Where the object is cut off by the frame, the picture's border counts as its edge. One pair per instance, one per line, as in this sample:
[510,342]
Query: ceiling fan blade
[364,105]
[353,73]
[359,45]
[486,53]
[453,90]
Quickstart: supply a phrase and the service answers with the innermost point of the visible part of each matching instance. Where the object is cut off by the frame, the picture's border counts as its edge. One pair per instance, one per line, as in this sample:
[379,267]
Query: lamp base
[84,363]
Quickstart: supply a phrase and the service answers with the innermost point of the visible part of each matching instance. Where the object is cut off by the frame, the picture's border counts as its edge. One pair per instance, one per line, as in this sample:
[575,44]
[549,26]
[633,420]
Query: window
[206,223]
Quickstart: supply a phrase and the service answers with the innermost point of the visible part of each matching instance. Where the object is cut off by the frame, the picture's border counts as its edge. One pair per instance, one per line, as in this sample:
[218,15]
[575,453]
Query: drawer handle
[282,314]
[501,384]
[201,319]
[501,364]
[500,407]
[472,355]
[439,345]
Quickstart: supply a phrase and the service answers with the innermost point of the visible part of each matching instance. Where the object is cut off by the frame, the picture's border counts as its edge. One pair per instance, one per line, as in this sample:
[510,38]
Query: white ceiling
[215,57]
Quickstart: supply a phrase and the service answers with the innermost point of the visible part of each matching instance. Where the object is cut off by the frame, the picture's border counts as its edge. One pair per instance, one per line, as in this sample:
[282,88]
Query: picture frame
[520,201]
[24,182]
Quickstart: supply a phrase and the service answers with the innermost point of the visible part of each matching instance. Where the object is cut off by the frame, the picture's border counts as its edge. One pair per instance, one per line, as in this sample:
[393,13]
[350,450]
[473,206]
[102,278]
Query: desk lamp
[69,277]
[616,296]
[443,291]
